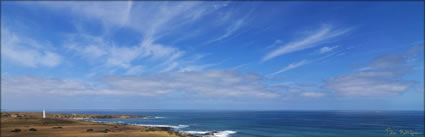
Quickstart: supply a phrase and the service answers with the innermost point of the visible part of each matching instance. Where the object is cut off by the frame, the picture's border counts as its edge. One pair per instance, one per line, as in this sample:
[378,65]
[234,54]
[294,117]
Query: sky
[219,55]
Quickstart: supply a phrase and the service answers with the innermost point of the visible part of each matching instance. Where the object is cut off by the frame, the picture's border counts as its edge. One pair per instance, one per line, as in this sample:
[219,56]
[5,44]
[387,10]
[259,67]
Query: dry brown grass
[50,127]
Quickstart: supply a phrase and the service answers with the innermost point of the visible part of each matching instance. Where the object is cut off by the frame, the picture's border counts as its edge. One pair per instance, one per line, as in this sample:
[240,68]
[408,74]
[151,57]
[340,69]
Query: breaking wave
[170,126]
[225,133]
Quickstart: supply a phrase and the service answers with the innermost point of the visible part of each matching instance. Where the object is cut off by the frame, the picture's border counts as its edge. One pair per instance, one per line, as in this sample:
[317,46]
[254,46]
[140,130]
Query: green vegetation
[106,131]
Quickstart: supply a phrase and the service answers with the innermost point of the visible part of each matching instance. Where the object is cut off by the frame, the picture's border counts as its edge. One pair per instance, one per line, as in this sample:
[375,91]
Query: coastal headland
[31,124]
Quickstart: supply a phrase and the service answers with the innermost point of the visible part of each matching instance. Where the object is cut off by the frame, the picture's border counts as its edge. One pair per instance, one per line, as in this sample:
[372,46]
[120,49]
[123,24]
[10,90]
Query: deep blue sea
[282,123]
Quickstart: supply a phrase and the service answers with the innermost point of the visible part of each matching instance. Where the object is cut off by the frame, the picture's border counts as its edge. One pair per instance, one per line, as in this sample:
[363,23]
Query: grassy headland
[31,124]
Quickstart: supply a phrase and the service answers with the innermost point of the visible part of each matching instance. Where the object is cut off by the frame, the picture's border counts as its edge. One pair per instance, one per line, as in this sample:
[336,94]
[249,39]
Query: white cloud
[291,66]
[157,51]
[230,30]
[358,85]
[312,94]
[294,90]
[122,56]
[87,46]
[153,20]
[209,83]
[135,70]
[275,43]
[94,51]
[382,78]
[324,33]
[105,51]
[27,52]
[215,83]
[240,66]
[327,49]
[195,67]
[34,85]
[50,59]
[232,22]
[170,67]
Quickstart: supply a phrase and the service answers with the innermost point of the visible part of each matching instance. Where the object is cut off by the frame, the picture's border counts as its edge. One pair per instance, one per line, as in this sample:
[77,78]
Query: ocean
[281,123]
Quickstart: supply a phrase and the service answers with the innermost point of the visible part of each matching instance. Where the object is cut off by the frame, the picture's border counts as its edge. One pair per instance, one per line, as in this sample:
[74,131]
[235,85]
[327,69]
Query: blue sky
[213,55]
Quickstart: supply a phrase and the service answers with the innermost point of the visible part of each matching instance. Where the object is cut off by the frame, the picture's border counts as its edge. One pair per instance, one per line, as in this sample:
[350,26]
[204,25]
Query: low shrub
[33,129]
[106,131]
[16,130]
[151,129]
[89,130]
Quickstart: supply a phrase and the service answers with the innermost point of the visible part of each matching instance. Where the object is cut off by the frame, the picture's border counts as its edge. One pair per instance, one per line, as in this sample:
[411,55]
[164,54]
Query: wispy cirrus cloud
[152,20]
[27,52]
[111,55]
[230,30]
[138,69]
[327,49]
[326,32]
[234,22]
[291,66]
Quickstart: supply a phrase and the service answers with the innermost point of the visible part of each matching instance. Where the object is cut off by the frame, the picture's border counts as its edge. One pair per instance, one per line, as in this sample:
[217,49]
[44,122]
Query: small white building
[44,113]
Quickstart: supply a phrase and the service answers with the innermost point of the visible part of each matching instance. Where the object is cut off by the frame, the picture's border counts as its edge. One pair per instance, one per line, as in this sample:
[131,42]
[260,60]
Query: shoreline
[166,128]
[55,124]
[171,128]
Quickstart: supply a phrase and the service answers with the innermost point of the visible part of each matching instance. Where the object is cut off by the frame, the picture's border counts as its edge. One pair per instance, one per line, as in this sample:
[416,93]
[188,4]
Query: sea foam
[158,117]
[196,132]
[170,126]
[225,133]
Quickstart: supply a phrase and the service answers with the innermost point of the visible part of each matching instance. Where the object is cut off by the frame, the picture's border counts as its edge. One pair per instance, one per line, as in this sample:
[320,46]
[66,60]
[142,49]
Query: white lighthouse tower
[44,113]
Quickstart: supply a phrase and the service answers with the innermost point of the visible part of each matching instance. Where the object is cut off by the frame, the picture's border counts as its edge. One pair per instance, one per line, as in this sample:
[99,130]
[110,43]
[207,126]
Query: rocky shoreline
[167,129]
